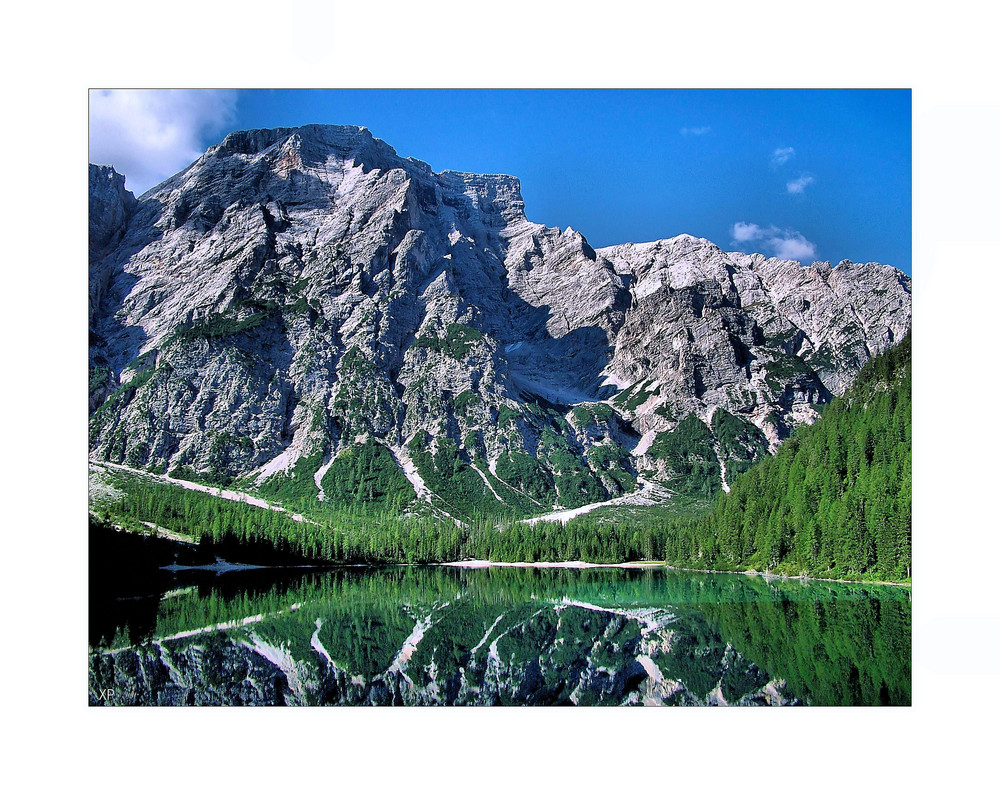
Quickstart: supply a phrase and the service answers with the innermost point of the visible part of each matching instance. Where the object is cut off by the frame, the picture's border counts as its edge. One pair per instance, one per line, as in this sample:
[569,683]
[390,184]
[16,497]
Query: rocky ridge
[298,293]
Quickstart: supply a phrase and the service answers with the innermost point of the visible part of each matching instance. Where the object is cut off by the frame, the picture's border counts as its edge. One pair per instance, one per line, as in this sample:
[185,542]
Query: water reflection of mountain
[508,636]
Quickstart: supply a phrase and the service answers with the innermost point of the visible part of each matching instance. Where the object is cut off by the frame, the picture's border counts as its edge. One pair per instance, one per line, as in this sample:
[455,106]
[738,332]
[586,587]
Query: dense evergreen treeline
[833,502]
[252,534]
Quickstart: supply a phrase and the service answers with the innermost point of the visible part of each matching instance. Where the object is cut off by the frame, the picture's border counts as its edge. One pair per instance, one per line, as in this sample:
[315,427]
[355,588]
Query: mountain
[836,499]
[834,502]
[301,309]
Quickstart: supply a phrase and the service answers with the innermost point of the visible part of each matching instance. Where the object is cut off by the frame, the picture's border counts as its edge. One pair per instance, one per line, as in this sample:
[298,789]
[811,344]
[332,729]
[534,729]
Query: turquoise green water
[442,635]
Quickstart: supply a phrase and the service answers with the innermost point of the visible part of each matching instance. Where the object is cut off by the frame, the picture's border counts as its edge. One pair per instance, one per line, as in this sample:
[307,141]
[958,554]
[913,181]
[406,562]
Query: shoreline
[550,564]
[652,564]
[227,566]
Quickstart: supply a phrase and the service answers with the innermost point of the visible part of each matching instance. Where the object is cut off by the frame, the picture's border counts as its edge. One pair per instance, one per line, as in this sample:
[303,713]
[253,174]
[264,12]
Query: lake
[428,635]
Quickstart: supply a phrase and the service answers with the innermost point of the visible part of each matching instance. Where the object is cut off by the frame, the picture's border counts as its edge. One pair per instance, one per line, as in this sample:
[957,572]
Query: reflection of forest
[838,651]
[832,643]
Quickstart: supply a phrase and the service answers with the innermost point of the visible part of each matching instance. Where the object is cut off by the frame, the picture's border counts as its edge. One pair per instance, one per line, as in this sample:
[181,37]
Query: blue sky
[803,174]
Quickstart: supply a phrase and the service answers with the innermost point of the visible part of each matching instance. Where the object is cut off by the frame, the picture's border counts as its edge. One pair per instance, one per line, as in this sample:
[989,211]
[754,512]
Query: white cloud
[150,134]
[695,130]
[782,155]
[781,243]
[791,246]
[798,186]
[743,232]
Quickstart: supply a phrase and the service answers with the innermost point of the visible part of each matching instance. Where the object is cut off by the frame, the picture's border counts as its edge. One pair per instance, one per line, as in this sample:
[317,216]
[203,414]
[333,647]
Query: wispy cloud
[798,186]
[791,246]
[782,155]
[781,243]
[695,130]
[148,135]
[744,232]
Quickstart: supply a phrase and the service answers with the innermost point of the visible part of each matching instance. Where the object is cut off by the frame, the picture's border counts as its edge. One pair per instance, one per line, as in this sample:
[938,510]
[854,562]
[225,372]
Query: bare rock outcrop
[294,292]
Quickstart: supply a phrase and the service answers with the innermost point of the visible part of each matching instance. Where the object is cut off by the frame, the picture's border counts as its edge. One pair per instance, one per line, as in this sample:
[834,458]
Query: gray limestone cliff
[110,209]
[295,293]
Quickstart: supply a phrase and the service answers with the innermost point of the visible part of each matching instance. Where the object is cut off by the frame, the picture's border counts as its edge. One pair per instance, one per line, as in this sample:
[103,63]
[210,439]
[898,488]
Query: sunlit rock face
[295,292]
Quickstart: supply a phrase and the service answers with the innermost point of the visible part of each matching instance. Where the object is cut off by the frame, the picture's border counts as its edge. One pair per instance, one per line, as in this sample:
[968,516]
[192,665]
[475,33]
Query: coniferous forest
[834,501]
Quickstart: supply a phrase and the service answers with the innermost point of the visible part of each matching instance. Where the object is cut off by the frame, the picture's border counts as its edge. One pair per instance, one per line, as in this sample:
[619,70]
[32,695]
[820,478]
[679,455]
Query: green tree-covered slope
[835,498]
[833,502]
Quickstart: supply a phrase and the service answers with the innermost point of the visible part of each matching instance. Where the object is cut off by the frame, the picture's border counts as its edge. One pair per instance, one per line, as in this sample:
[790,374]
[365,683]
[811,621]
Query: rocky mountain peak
[111,205]
[315,144]
[342,137]
[297,292]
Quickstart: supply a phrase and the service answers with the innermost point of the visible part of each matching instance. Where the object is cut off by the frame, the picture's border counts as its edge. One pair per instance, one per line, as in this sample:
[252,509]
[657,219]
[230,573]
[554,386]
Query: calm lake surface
[498,636]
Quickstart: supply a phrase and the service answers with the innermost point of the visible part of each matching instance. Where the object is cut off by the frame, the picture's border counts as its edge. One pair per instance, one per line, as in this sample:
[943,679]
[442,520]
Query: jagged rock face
[765,338]
[111,207]
[296,291]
